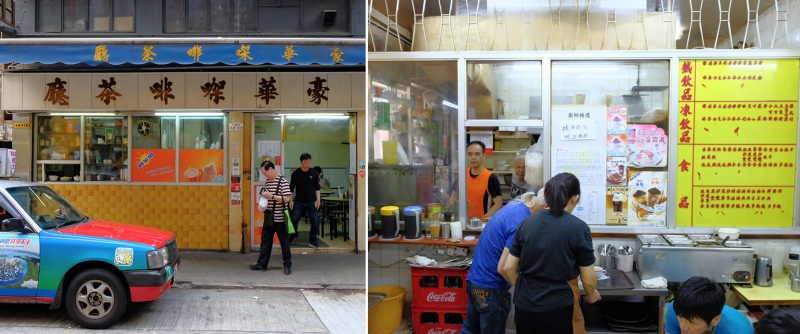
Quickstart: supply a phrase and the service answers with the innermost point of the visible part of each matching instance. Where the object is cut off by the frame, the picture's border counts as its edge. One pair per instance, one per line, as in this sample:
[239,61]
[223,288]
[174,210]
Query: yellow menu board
[737,142]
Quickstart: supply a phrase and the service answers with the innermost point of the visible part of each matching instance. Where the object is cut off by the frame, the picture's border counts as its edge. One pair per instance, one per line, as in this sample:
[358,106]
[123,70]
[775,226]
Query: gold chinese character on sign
[101,53]
[108,92]
[244,53]
[213,90]
[337,55]
[195,52]
[56,92]
[317,92]
[289,53]
[148,53]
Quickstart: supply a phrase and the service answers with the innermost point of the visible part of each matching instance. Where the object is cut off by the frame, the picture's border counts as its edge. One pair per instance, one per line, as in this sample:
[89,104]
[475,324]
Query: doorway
[281,139]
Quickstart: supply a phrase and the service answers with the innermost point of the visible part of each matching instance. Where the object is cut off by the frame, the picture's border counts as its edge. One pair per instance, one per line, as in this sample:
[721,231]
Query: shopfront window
[106,147]
[153,149]
[412,146]
[58,148]
[202,157]
[504,90]
[610,128]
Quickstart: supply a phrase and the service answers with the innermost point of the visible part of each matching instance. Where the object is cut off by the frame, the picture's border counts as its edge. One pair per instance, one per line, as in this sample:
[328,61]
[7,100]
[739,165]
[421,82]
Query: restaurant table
[595,323]
[343,202]
[780,293]
[323,192]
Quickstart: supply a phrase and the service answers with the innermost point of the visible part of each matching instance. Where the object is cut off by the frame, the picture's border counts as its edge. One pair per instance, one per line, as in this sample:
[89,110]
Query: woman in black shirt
[550,249]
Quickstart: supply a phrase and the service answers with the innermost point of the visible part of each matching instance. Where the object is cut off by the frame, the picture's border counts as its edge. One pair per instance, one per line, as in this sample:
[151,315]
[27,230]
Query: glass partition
[413,122]
[106,148]
[504,90]
[153,149]
[610,126]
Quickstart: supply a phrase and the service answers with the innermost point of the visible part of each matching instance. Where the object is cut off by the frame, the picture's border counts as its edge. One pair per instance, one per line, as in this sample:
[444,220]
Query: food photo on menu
[616,205]
[648,196]
[616,173]
[617,120]
[615,145]
[647,146]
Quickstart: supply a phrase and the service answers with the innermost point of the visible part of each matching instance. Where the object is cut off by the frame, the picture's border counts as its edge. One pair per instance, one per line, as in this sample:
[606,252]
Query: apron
[477,187]
[578,326]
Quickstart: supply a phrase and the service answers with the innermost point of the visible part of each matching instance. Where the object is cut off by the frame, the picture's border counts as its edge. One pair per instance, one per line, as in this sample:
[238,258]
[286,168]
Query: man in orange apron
[484,196]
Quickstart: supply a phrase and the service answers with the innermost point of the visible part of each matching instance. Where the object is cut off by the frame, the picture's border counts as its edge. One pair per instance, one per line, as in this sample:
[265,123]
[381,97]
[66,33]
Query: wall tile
[374,277]
[389,254]
[390,276]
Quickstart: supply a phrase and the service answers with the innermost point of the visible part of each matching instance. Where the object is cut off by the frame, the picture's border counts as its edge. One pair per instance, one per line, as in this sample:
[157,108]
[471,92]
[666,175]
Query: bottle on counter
[429,318]
[453,319]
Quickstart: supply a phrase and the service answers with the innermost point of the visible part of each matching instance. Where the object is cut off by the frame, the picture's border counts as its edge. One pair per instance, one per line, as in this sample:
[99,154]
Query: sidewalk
[311,271]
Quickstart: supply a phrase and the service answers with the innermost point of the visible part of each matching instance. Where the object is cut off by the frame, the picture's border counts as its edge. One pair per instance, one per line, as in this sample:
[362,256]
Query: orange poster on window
[153,165]
[202,166]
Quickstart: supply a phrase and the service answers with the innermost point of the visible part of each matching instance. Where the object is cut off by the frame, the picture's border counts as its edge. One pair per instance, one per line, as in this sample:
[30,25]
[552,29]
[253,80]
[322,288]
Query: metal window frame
[547,58]
[88,16]
[4,8]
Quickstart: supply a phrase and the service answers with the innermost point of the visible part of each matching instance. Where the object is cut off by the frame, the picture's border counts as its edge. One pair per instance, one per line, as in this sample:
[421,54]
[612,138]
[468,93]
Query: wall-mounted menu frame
[737,145]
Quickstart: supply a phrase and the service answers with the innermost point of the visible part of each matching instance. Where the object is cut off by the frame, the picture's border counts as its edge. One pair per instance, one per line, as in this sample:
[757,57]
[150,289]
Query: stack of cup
[455,230]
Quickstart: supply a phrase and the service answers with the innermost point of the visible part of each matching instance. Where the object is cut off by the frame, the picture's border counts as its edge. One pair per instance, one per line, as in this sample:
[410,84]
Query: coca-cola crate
[438,320]
[439,287]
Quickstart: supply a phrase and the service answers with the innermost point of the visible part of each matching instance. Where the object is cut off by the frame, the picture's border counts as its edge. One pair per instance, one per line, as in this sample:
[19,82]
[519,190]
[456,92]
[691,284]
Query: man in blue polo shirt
[699,308]
[489,298]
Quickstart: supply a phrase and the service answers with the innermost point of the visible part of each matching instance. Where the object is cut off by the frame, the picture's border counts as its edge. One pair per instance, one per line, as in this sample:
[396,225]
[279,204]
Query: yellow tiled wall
[197,214]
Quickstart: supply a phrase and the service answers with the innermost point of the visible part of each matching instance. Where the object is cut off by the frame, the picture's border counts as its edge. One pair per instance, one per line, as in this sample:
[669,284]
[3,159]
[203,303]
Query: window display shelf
[426,241]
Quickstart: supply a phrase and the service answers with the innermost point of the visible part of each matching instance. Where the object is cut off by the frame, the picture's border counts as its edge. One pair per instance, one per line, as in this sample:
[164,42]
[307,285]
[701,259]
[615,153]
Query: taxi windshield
[46,207]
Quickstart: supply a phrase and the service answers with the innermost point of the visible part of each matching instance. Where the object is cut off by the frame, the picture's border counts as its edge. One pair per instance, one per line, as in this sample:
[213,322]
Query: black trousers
[267,234]
[557,321]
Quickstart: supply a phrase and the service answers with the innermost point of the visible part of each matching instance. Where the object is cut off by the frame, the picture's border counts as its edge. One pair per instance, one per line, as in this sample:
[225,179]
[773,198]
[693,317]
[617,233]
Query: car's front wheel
[96,299]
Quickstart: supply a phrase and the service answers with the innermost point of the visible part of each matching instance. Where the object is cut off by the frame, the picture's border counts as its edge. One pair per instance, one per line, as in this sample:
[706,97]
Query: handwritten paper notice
[578,129]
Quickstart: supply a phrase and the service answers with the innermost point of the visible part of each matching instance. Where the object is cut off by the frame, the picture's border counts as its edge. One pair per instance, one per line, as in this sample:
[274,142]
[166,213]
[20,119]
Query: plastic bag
[262,204]
[534,164]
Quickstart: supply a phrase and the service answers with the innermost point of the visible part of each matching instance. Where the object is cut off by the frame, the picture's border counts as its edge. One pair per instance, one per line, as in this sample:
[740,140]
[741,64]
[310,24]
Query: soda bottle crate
[437,320]
[439,287]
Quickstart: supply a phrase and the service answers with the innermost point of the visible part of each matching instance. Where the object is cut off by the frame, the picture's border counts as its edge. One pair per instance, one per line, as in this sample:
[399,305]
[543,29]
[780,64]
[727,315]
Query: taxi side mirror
[14,225]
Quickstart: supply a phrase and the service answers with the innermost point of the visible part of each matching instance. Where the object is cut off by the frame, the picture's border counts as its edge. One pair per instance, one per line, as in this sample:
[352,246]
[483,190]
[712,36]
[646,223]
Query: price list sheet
[583,155]
[737,142]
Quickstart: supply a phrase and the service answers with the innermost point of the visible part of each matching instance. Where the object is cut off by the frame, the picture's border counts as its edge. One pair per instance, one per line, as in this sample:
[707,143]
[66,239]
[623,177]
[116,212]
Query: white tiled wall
[383,271]
[767,25]
[515,85]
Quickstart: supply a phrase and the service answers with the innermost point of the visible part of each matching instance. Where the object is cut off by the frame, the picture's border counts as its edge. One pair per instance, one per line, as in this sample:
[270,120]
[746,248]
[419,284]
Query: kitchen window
[504,90]
[85,15]
[202,157]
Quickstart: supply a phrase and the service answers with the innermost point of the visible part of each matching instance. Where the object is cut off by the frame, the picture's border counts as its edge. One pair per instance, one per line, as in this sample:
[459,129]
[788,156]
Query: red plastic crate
[439,296]
[441,327]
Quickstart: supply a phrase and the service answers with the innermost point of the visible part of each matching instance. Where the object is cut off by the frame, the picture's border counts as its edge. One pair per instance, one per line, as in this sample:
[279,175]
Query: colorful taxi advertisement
[51,253]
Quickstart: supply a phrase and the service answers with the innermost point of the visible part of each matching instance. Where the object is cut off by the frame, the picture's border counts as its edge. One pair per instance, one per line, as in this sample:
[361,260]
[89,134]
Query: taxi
[51,253]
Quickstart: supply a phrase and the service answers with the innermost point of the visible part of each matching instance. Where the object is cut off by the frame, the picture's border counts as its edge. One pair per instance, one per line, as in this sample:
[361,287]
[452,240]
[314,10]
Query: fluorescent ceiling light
[450,104]
[586,69]
[81,114]
[313,114]
[317,116]
[189,114]
[526,67]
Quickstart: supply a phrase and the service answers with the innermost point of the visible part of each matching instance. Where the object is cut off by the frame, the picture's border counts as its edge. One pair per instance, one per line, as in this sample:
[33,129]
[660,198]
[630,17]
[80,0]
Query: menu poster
[615,145]
[616,174]
[587,164]
[616,205]
[648,198]
[737,148]
[647,146]
[202,166]
[617,120]
[153,165]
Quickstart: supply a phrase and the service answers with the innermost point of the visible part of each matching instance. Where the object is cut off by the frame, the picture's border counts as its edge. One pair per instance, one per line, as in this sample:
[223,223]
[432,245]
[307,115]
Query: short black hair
[781,321]
[699,297]
[305,156]
[267,165]
[478,142]
[318,169]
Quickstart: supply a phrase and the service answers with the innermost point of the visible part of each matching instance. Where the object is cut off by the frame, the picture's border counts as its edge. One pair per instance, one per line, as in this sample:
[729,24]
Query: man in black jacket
[305,185]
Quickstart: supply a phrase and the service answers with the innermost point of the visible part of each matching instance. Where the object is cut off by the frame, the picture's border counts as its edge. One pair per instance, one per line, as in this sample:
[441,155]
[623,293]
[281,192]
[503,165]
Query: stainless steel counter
[594,322]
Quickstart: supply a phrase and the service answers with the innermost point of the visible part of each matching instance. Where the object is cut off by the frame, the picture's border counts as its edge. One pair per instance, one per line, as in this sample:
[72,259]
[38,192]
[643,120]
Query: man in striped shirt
[276,190]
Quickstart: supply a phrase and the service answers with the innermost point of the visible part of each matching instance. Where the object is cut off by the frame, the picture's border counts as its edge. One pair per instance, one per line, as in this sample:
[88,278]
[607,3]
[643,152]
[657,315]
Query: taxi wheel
[96,299]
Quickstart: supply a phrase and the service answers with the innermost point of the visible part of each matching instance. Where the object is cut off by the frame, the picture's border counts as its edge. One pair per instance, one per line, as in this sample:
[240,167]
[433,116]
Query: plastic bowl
[725,232]
[501,168]
[52,177]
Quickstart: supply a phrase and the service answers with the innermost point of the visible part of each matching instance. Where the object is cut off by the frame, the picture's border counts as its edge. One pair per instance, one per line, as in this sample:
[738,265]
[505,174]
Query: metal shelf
[58,162]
